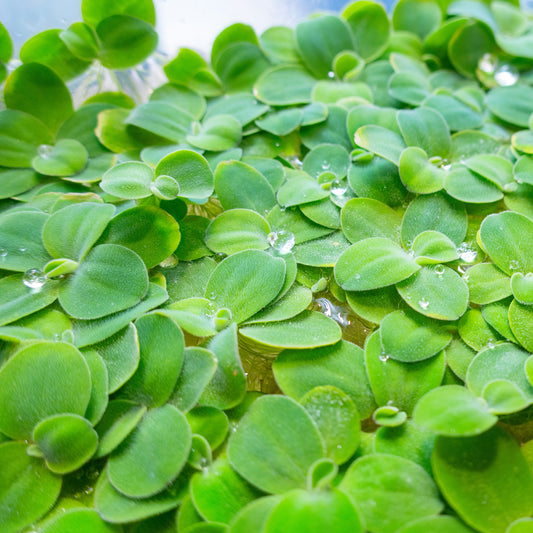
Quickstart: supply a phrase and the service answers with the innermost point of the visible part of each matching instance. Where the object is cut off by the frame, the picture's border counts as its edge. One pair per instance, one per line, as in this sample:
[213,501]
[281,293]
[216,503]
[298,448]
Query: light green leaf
[275,444]
[153,455]
[373,263]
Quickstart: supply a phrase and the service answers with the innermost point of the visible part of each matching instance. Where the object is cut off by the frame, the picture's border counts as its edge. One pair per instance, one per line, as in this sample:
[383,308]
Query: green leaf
[522,287]
[321,252]
[191,171]
[436,291]
[114,507]
[307,330]
[66,442]
[436,212]
[275,444]
[218,133]
[487,284]
[373,263]
[380,141]
[125,41]
[521,320]
[436,524]
[362,218]
[219,493]
[38,90]
[284,85]
[211,424]
[370,28]
[390,491]
[244,273]
[119,420]
[281,122]
[196,316]
[22,246]
[227,386]
[313,512]
[418,174]
[129,180]
[161,356]
[408,337]
[466,186]
[426,128]
[522,169]
[99,386]
[401,384]
[494,168]
[72,231]
[502,361]
[42,379]
[17,300]
[505,238]
[150,232]
[299,189]
[512,104]
[421,17]
[453,411]
[319,40]
[80,519]
[80,39]
[239,185]
[47,48]
[20,136]
[431,247]
[153,455]
[27,488]
[65,158]
[199,366]
[242,106]
[94,11]
[473,475]
[503,397]
[237,230]
[409,87]
[459,115]
[337,419]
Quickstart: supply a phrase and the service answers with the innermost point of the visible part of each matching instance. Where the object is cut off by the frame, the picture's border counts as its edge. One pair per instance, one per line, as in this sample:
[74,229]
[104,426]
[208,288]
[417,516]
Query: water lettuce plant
[291,291]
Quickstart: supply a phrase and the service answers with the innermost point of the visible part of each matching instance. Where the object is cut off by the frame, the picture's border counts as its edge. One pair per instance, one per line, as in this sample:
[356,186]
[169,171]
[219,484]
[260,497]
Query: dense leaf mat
[291,291]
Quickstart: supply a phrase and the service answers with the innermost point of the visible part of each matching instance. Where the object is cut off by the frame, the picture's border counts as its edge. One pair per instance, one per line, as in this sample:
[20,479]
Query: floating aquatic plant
[289,292]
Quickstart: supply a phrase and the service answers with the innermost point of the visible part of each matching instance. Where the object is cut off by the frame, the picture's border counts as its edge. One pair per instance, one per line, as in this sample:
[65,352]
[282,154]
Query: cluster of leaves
[343,209]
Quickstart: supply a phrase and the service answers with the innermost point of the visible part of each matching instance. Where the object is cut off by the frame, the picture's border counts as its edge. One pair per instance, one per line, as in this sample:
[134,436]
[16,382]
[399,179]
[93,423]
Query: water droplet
[439,270]
[510,187]
[331,74]
[34,278]
[423,303]
[211,309]
[3,253]
[169,262]
[514,265]
[295,161]
[487,63]
[529,276]
[282,241]
[506,75]
[338,188]
[45,150]
[384,357]
[22,250]
[326,165]
[466,253]
[491,343]
[357,276]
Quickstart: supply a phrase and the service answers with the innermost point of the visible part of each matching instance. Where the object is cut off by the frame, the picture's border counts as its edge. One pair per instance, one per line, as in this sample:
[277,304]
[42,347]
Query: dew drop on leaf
[282,241]
[45,150]
[331,74]
[506,75]
[423,303]
[338,188]
[439,270]
[3,253]
[466,253]
[34,278]
[514,265]
[487,63]
[384,357]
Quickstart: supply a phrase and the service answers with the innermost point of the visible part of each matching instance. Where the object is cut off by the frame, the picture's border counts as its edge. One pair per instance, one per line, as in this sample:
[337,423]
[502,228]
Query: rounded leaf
[40,380]
[275,444]
[153,455]
[66,442]
[100,287]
